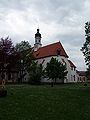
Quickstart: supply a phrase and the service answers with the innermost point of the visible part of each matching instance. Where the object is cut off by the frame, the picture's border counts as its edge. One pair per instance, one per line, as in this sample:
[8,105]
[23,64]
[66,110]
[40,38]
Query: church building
[43,54]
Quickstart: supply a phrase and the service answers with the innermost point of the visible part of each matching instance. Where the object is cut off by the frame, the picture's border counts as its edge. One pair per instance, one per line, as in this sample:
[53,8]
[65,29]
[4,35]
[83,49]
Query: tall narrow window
[74,77]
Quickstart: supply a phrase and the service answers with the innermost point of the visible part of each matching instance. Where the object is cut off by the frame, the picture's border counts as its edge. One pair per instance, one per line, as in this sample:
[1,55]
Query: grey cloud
[11,4]
[72,39]
[48,10]
[58,10]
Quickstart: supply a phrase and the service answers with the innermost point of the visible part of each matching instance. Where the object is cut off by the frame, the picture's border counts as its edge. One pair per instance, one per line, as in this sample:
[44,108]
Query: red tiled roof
[71,64]
[50,50]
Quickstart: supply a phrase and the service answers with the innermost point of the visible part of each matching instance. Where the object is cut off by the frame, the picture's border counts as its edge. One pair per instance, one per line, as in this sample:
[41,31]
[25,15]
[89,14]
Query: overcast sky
[58,20]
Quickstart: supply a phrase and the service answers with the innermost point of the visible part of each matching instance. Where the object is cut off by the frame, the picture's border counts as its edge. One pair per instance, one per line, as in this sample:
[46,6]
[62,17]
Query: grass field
[62,102]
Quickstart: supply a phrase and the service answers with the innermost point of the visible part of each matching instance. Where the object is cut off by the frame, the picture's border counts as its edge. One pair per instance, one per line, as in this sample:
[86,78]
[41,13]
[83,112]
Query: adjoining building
[81,76]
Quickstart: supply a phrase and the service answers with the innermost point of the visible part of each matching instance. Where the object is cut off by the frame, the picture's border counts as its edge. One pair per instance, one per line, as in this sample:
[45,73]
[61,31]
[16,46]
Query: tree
[86,46]
[6,53]
[6,49]
[55,70]
[25,57]
[23,46]
[88,73]
[36,72]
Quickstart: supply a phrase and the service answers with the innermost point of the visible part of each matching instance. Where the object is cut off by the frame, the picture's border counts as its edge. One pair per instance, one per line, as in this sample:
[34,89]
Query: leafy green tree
[88,73]
[86,46]
[55,70]
[22,46]
[25,58]
[36,72]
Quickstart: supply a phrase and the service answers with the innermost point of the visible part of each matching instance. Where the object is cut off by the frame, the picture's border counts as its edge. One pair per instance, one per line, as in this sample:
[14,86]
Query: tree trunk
[52,83]
[55,81]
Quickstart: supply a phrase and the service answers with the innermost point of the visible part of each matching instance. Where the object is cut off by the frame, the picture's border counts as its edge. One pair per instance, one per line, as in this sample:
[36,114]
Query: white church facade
[44,54]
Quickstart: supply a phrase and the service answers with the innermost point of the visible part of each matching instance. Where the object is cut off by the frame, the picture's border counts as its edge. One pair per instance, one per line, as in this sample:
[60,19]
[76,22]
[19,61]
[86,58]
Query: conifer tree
[56,70]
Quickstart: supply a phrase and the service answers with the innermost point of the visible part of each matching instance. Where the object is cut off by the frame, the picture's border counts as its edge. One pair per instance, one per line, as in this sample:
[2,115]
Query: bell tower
[37,40]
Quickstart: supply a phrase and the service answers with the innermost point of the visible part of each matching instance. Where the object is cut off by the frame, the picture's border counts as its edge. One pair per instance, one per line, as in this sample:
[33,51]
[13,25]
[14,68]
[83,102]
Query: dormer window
[37,54]
[58,51]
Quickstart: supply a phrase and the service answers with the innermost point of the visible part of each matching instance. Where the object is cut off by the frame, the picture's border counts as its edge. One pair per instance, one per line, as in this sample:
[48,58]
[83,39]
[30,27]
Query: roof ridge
[70,61]
[50,50]
[50,44]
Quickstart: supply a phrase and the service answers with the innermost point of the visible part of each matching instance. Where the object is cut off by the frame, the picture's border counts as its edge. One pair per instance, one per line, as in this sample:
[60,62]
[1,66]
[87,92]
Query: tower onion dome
[37,34]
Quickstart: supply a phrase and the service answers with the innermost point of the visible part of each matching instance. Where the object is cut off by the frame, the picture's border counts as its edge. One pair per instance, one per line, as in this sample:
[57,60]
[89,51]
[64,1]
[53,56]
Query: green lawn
[62,102]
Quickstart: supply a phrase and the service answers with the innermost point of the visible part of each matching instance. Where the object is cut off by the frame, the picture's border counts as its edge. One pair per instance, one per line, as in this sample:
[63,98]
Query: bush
[85,84]
[3,93]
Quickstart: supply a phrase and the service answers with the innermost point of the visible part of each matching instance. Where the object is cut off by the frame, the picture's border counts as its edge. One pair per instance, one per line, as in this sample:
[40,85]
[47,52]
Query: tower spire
[37,40]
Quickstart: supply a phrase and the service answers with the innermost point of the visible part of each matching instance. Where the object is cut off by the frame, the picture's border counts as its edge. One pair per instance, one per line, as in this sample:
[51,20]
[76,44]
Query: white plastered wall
[59,58]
